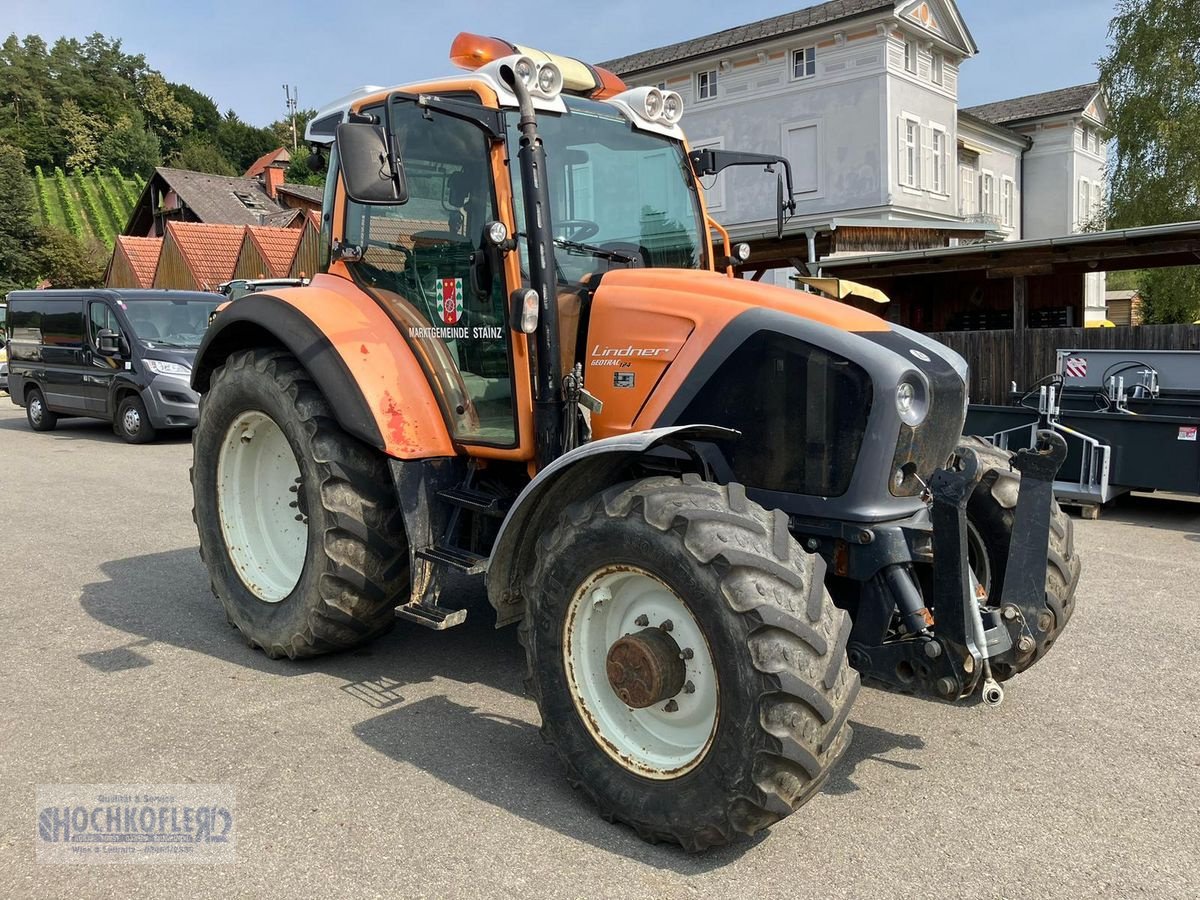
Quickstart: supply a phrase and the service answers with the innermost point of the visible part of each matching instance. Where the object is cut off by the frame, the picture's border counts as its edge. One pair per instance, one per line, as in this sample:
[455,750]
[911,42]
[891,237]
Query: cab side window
[420,258]
[101,318]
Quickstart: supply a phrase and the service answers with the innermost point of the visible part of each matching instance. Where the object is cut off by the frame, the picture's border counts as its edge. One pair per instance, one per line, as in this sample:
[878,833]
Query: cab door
[425,260]
[101,371]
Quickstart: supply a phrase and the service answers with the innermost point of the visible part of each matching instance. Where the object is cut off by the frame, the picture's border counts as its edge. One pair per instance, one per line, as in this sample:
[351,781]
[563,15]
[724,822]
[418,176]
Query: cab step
[431,616]
[456,558]
[476,500]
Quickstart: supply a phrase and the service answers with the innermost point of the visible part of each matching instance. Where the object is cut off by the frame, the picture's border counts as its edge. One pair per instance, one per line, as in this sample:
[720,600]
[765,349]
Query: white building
[861,96]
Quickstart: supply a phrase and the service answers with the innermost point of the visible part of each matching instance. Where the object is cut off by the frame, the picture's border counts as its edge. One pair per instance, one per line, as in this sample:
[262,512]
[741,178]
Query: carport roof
[1174,244]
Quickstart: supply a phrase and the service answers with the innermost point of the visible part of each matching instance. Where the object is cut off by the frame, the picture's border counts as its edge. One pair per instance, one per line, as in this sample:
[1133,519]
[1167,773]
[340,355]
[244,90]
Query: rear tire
[131,423]
[39,416]
[990,514]
[781,683]
[325,562]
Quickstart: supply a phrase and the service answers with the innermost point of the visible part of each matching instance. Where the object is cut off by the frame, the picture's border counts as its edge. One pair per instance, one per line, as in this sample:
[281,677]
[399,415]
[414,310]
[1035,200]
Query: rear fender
[352,350]
[570,478]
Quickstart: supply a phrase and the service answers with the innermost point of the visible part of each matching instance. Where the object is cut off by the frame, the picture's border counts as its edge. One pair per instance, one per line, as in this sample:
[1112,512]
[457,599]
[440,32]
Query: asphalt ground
[413,767]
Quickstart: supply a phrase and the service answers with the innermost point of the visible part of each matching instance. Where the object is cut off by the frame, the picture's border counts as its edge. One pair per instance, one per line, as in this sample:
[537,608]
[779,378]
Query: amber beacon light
[471,51]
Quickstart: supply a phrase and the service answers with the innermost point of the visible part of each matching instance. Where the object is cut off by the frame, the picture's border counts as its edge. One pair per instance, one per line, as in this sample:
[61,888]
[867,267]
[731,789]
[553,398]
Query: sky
[241,54]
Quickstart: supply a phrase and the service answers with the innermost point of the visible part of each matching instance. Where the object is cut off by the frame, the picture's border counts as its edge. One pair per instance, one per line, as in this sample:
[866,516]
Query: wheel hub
[645,668]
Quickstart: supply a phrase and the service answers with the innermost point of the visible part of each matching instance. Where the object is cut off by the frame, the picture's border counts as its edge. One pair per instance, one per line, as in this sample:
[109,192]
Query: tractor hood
[697,292]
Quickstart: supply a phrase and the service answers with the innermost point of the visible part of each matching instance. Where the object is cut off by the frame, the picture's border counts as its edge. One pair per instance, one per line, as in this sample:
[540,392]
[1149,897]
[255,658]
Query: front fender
[353,351]
[570,478]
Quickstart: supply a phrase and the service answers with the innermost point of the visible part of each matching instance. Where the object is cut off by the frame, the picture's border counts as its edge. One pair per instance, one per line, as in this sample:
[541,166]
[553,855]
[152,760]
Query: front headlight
[163,367]
[911,402]
[653,104]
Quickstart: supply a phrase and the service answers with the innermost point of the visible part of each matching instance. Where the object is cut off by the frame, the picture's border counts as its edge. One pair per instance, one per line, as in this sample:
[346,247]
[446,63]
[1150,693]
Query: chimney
[272,179]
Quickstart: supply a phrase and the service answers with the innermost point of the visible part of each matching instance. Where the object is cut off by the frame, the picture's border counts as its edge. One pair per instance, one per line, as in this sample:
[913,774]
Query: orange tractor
[710,503]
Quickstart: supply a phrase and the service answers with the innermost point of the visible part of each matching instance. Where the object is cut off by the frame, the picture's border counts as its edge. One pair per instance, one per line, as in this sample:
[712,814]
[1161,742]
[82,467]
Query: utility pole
[291,94]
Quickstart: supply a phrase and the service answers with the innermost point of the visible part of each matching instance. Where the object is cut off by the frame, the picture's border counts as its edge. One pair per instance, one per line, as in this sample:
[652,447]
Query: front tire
[299,526]
[990,515]
[131,423]
[39,416]
[763,650]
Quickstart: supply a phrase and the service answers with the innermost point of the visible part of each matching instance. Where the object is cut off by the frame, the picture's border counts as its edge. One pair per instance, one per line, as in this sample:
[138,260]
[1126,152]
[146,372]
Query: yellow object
[840,289]
[1102,323]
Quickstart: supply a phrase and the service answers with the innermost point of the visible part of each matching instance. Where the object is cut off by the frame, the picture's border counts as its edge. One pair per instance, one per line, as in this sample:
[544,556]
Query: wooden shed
[198,257]
[134,262]
[307,259]
[267,252]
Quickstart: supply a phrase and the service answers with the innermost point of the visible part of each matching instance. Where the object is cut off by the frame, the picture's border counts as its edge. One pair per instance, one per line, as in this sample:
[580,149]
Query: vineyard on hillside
[96,204]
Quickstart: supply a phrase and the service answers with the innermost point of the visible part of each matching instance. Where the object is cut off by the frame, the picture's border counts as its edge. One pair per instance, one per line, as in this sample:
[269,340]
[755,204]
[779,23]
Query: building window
[1095,135]
[966,190]
[1082,201]
[910,151]
[987,194]
[1083,137]
[937,64]
[910,55]
[1008,202]
[706,85]
[804,62]
[662,85]
[937,142]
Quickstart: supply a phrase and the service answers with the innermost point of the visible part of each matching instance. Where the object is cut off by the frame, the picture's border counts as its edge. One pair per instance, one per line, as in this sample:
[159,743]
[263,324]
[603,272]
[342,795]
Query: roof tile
[214,198]
[279,154]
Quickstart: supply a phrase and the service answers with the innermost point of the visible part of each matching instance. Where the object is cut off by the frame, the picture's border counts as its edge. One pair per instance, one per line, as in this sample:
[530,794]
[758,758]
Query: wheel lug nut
[600,596]
[294,504]
[642,620]
[1025,644]
[294,488]
[688,688]
[686,653]
[667,625]
[671,706]
[1010,612]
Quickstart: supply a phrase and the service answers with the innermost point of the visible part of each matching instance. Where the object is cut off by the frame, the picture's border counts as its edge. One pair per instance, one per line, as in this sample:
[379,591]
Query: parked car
[124,356]
[3,347]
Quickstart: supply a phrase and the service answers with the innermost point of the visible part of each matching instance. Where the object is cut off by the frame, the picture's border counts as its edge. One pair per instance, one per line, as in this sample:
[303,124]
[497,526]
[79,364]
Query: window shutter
[926,158]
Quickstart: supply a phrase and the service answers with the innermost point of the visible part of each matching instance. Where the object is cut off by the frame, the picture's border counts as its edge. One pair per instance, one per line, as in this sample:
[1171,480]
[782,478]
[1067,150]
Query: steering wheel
[580,229]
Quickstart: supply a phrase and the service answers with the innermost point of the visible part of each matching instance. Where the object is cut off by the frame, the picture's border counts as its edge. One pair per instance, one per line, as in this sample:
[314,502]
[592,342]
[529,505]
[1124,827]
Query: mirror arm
[712,162]
[489,120]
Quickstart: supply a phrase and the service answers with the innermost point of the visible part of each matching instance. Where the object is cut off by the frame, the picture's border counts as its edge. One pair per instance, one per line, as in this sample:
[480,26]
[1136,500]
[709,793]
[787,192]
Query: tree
[205,115]
[282,128]
[18,234]
[67,262]
[298,171]
[167,117]
[82,133]
[199,155]
[242,144]
[1151,79]
[129,147]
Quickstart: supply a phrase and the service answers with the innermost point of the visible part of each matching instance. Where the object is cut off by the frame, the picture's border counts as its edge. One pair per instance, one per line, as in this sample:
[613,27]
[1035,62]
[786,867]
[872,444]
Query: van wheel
[689,665]
[299,524]
[40,418]
[132,424]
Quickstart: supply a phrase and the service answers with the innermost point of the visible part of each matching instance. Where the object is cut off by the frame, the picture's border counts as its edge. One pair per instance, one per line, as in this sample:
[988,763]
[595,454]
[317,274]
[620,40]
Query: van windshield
[170,323]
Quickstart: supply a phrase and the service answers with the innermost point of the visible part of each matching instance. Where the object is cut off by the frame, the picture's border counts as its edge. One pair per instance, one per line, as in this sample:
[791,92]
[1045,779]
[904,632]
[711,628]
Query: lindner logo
[450,298]
[178,823]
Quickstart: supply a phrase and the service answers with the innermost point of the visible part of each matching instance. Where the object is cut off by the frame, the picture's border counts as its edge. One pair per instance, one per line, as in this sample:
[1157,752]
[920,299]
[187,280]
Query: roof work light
[472,51]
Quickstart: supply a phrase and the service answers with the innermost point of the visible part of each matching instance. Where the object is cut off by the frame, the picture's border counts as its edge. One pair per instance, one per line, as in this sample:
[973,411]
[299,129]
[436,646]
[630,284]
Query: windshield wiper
[601,252]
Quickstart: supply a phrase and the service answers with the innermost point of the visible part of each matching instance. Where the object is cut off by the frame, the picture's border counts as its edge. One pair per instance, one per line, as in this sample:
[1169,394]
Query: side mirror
[108,343]
[373,175]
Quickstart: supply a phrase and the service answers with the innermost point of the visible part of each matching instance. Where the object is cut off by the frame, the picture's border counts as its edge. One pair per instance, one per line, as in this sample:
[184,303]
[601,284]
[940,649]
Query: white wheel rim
[652,742]
[258,486]
[132,420]
[35,409]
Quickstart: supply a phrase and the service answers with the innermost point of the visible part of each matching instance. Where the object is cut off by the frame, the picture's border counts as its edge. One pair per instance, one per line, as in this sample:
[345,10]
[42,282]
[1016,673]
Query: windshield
[620,197]
[170,323]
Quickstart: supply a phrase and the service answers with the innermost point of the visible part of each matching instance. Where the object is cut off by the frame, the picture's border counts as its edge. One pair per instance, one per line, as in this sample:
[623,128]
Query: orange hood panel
[649,327]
